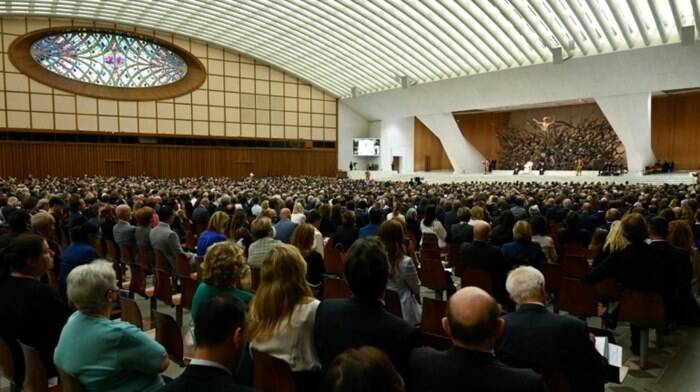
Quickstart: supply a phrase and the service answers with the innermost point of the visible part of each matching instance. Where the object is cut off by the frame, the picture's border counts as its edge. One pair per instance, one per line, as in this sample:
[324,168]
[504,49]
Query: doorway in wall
[427,163]
[396,164]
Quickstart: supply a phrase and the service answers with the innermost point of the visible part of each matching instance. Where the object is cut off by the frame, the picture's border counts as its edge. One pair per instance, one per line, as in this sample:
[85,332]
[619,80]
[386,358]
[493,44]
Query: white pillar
[630,117]
[463,156]
[396,140]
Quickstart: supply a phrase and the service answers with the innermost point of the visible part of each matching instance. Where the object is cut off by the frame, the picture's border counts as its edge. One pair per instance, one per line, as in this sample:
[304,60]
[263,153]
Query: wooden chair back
[137,284]
[69,383]
[255,278]
[332,261]
[608,290]
[35,378]
[392,303]
[145,257]
[164,289]
[190,235]
[575,266]
[431,319]
[578,298]
[477,277]
[575,250]
[7,362]
[454,257]
[553,275]
[643,309]
[430,241]
[131,312]
[429,253]
[125,254]
[161,261]
[188,286]
[432,275]
[182,265]
[168,334]
[272,374]
[112,251]
[335,288]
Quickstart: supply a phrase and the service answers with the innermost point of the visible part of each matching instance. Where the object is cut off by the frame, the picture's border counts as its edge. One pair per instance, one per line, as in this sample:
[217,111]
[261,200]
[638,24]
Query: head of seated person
[473,320]
[261,228]
[375,216]
[218,332]
[522,231]
[218,222]
[166,215]
[526,285]
[123,212]
[367,269]
[634,228]
[43,224]
[364,369]
[86,233]
[27,255]
[224,265]
[144,216]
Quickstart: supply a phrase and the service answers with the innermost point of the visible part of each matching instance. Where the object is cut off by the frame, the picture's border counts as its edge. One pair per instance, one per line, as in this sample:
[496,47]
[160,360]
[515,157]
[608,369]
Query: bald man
[474,325]
[480,254]
[124,232]
[285,227]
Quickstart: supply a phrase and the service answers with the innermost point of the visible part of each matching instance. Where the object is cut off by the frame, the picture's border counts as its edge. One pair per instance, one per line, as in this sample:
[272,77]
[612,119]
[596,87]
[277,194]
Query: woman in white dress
[403,277]
[431,225]
[298,216]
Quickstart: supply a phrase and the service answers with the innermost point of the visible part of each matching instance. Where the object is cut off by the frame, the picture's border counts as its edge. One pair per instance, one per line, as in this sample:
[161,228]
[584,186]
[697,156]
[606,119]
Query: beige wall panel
[18,119]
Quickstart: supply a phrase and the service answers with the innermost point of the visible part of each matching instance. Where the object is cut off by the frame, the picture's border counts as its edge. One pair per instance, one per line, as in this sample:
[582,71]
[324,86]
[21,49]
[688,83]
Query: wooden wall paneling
[675,129]
[19,159]
[426,144]
[480,129]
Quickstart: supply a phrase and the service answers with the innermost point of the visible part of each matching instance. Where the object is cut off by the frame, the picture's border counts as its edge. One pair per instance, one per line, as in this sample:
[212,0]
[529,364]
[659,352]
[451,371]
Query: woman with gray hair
[105,354]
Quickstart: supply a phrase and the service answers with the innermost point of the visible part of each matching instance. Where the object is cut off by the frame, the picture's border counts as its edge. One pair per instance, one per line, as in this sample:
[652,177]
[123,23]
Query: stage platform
[550,176]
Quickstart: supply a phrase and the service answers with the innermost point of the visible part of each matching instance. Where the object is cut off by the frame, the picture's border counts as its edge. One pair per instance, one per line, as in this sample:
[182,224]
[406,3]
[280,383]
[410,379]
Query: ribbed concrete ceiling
[374,45]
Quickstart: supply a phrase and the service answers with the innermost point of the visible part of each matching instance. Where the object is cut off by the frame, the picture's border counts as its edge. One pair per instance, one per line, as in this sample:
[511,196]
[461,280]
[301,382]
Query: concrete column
[396,140]
[463,156]
[630,117]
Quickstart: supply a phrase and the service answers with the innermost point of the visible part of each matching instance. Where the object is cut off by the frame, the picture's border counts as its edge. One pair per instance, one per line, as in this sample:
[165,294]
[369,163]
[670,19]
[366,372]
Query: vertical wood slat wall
[19,159]
[426,144]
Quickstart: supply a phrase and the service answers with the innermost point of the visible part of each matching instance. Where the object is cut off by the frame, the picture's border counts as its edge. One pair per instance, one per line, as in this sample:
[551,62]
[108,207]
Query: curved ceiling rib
[367,46]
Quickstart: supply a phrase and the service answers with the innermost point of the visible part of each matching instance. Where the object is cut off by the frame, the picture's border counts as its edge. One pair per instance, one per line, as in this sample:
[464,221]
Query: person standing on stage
[579,165]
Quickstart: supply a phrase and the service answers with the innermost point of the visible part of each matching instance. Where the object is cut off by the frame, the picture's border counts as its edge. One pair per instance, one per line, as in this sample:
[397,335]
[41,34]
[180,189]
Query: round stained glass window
[108,64]
[108,59]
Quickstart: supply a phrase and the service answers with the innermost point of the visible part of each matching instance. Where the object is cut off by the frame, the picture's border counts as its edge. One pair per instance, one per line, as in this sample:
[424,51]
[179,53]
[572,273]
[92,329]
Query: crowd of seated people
[645,237]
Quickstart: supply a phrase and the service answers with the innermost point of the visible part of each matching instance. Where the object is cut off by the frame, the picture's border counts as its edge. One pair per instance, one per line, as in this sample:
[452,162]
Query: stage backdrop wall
[76,159]
[675,126]
[428,149]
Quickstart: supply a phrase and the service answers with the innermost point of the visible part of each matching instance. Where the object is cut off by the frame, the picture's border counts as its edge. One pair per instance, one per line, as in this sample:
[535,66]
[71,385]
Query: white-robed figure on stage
[527,169]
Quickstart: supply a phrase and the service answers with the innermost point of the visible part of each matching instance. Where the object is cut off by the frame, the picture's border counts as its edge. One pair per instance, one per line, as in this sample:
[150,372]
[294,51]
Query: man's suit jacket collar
[467,356]
[532,308]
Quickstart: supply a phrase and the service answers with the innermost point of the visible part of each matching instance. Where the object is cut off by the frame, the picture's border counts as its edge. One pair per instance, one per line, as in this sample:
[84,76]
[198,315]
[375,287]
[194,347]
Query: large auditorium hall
[349,195]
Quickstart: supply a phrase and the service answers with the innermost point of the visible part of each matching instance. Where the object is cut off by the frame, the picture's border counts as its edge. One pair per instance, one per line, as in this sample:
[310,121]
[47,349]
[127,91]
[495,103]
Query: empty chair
[393,303]
[168,334]
[7,362]
[272,374]
[432,276]
[477,277]
[131,312]
[643,310]
[164,292]
[335,288]
[332,261]
[35,379]
[578,298]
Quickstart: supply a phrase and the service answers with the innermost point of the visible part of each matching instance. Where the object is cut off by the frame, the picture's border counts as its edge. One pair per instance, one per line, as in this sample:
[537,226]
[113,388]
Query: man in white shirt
[314,218]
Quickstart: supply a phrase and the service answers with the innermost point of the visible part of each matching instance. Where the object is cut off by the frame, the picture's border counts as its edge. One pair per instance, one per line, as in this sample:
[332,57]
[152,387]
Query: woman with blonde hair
[478,215]
[615,242]
[218,223]
[298,216]
[403,277]
[282,315]
[303,239]
[224,272]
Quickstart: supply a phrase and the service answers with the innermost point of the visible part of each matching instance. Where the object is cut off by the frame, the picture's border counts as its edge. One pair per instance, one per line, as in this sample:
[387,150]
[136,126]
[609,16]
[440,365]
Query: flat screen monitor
[365,147]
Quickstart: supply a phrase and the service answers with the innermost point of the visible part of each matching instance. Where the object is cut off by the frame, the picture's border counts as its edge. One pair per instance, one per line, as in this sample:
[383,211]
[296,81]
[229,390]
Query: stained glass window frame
[22,55]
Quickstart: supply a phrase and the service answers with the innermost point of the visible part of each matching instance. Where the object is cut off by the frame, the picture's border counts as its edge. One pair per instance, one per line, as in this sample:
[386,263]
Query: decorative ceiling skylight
[347,46]
[108,59]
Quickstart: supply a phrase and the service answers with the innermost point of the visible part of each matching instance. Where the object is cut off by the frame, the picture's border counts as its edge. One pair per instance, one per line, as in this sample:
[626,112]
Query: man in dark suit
[474,325]
[219,338]
[200,215]
[586,218]
[479,254]
[450,216]
[535,337]
[362,320]
[678,298]
[461,231]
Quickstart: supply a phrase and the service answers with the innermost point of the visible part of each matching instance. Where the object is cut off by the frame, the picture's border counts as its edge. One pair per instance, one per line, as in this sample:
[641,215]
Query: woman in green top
[224,272]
